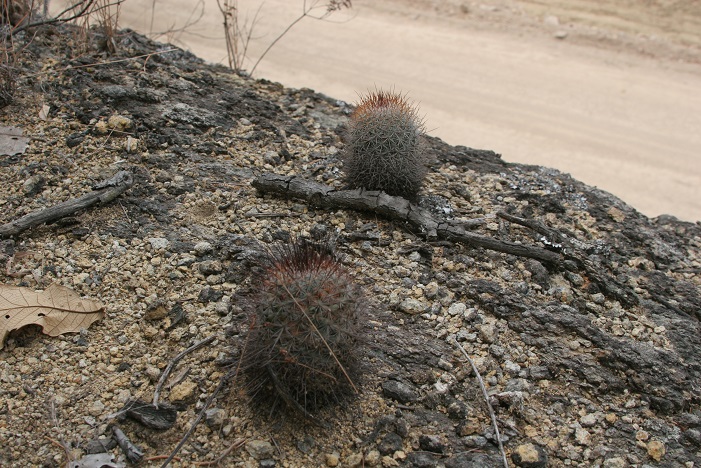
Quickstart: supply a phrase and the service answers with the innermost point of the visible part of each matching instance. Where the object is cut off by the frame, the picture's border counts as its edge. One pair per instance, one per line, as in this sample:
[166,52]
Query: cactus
[302,344]
[384,146]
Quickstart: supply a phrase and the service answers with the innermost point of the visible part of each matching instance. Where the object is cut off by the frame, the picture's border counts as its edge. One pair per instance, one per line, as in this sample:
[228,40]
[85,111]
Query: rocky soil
[594,360]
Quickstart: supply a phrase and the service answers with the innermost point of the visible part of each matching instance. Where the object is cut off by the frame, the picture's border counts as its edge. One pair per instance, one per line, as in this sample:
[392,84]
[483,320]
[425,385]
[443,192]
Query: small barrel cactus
[384,146]
[302,345]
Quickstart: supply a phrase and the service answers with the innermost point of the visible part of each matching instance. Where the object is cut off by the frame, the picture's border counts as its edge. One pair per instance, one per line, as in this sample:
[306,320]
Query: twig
[62,444]
[132,452]
[200,415]
[486,399]
[305,13]
[109,62]
[102,193]
[236,445]
[393,208]
[173,362]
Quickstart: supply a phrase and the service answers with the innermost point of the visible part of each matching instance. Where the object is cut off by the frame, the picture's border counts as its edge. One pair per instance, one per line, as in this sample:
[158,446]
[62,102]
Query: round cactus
[384,146]
[302,345]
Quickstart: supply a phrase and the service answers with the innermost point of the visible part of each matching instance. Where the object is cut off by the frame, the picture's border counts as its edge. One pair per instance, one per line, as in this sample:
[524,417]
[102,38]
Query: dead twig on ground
[173,362]
[392,207]
[131,451]
[486,399]
[63,445]
[102,193]
[236,445]
[224,380]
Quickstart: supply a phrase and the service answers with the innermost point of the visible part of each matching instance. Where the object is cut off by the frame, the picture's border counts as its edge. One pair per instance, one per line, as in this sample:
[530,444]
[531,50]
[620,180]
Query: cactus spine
[384,148]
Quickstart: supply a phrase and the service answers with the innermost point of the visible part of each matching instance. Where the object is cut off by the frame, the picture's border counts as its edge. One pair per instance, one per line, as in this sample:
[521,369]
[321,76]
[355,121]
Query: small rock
[33,185]
[457,308]
[354,460]
[332,459]
[474,441]
[656,450]
[372,458]
[588,420]
[421,460]
[306,445]
[119,123]
[389,462]
[267,463]
[96,408]
[487,333]
[412,306]
[582,436]
[469,427]
[457,410]
[203,248]
[614,462]
[158,243]
[153,373]
[693,436]
[390,443]
[215,417]
[431,443]
[400,391]
[530,456]
[260,449]
[561,34]
[210,267]
[182,392]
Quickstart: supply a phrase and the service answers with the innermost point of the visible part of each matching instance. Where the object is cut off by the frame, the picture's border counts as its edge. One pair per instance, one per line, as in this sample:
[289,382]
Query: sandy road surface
[616,103]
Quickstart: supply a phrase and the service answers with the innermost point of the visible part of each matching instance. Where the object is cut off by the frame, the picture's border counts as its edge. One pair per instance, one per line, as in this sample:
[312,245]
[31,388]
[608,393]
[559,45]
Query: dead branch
[131,451]
[391,207]
[172,364]
[486,399]
[102,193]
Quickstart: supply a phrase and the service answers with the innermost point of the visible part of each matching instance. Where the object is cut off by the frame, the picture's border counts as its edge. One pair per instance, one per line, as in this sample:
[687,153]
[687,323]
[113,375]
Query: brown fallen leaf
[57,310]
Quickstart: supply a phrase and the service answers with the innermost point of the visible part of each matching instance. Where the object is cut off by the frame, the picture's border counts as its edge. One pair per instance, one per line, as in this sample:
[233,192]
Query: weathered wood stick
[391,207]
[104,192]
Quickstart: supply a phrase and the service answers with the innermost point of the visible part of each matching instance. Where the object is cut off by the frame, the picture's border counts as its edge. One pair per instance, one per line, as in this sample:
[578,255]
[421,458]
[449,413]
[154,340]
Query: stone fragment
[332,459]
[412,306]
[656,450]
[530,456]
[390,444]
[182,392]
[260,449]
[400,391]
[215,417]
[372,458]
[158,243]
[582,436]
[354,460]
[431,443]
[487,333]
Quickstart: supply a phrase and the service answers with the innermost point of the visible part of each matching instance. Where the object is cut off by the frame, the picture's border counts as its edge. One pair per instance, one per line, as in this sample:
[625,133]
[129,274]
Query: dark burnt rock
[400,391]
[431,443]
[422,460]
[390,443]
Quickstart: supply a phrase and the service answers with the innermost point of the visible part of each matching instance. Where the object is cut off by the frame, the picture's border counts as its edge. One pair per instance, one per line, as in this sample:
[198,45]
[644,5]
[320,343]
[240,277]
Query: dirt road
[610,95]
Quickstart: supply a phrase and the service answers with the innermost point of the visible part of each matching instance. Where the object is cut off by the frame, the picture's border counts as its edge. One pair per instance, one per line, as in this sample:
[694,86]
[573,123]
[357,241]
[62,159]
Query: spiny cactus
[302,345]
[384,148]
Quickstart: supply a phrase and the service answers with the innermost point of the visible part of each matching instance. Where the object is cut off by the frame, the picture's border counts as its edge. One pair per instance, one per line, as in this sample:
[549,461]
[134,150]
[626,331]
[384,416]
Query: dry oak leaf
[57,310]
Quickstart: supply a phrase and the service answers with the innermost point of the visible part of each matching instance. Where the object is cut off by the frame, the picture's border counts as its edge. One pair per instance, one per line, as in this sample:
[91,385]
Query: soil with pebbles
[579,373]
